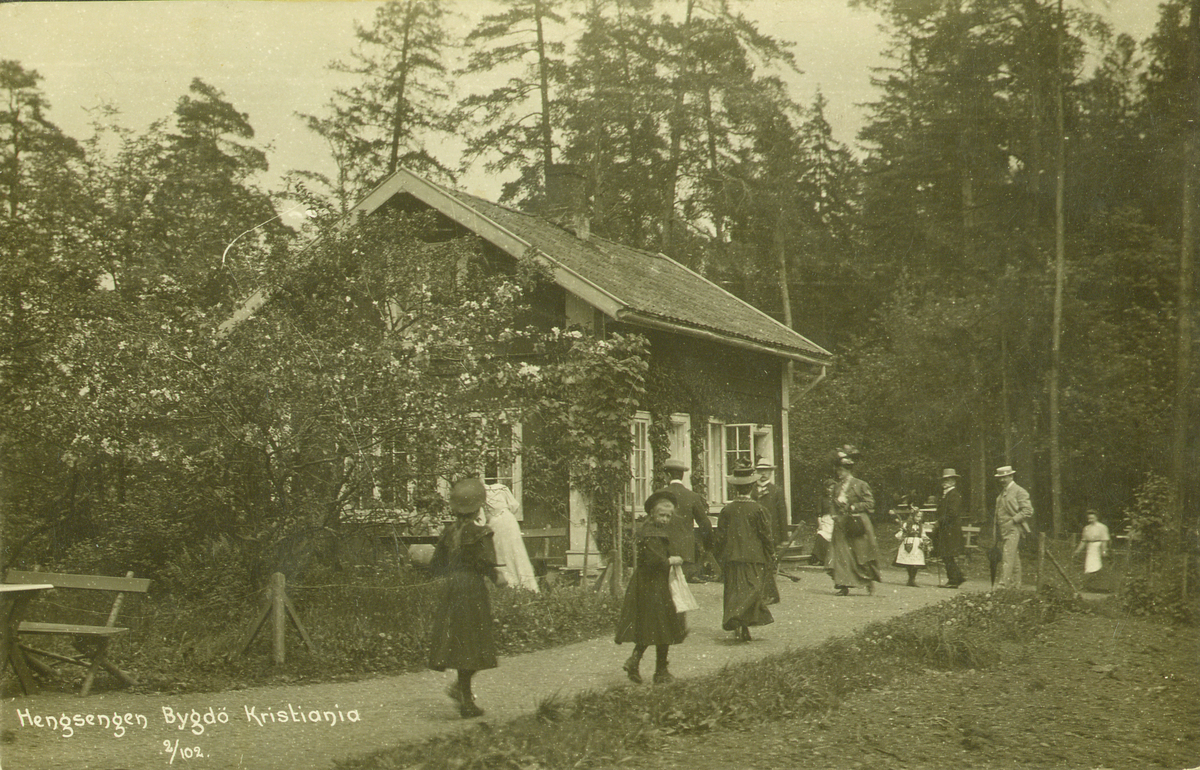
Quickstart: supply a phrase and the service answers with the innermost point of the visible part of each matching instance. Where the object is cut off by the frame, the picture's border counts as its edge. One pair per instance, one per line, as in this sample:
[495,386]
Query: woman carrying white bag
[649,615]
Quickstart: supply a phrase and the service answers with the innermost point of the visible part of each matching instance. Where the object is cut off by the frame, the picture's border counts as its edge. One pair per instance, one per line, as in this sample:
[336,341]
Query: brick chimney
[566,202]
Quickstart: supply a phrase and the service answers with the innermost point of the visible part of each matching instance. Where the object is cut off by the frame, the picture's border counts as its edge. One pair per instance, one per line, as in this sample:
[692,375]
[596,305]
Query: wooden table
[14,598]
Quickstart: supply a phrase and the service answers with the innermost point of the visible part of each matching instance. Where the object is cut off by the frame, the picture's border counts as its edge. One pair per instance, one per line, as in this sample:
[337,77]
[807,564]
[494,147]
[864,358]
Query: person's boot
[631,669]
[454,693]
[467,706]
[663,676]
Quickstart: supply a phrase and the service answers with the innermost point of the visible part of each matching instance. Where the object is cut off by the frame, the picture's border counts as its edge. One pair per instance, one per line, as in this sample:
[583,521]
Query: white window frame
[641,462]
[760,444]
[680,442]
[510,475]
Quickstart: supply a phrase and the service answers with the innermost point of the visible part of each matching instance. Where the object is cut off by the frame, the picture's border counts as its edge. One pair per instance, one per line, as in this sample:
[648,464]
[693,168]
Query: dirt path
[308,727]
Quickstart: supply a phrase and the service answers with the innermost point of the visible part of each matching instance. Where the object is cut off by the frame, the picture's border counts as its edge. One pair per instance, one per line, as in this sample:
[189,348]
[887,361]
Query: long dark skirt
[745,585]
[648,614]
[853,561]
[462,629]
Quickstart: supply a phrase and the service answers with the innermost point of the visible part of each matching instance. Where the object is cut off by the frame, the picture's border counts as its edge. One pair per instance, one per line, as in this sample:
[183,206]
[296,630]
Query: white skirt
[909,553]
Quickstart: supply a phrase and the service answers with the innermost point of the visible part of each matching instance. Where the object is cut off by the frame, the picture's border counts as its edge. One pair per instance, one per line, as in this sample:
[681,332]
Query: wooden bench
[90,641]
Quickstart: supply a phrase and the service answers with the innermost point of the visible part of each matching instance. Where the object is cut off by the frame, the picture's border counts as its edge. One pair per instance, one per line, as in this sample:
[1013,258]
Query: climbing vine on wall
[589,391]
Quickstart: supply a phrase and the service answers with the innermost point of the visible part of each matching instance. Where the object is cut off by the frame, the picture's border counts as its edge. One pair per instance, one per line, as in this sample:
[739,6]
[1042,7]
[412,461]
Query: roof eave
[636,318]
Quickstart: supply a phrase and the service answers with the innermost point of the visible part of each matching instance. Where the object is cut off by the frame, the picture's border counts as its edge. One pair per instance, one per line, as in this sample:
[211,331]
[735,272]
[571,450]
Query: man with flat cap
[690,512]
[947,534]
[1013,510]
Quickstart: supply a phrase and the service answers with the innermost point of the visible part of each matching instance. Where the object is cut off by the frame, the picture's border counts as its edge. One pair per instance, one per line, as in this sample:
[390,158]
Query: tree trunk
[1187,246]
[398,118]
[1060,268]
[781,256]
[670,182]
[544,85]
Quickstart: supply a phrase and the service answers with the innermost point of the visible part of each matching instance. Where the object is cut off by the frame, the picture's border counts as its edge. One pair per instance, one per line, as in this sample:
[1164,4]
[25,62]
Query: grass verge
[604,728]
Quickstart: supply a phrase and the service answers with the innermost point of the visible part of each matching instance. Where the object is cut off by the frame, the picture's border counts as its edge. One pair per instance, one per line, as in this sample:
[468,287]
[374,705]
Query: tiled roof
[649,285]
[638,287]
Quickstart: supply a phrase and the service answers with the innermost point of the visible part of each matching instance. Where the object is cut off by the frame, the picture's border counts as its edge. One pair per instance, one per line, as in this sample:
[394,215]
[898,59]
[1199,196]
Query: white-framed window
[502,458]
[730,444]
[641,462]
[680,438]
[714,462]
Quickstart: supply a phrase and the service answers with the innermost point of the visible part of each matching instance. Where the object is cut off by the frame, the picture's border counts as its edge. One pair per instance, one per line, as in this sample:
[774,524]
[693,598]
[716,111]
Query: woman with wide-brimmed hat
[745,548]
[462,628]
[853,552]
[648,614]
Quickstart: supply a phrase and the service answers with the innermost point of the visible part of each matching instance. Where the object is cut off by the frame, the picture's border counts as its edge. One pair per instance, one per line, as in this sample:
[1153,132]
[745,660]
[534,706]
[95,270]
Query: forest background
[1002,267]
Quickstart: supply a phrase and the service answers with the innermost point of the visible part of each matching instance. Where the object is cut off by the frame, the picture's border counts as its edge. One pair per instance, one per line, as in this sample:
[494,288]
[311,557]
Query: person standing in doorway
[947,533]
[1013,511]
[690,526]
[1093,544]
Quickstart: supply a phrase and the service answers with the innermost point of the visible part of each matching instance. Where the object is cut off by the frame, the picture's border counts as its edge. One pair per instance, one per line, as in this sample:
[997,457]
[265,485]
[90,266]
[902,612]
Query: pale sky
[270,58]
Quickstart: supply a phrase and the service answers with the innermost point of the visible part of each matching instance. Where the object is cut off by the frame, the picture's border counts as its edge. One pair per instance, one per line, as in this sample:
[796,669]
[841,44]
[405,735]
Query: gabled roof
[632,286]
[637,287]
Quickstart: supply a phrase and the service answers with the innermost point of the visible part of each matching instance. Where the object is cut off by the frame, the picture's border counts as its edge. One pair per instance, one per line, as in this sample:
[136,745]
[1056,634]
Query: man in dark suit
[691,513]
[770,496]
[947,534]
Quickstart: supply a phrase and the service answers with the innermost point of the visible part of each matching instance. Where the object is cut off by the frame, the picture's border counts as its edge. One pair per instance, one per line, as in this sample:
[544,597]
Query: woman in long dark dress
[462,629]
[648,614]
[744,547]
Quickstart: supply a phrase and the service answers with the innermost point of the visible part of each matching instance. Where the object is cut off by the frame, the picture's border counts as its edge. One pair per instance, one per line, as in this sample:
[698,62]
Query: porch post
[580,543]
[786,436]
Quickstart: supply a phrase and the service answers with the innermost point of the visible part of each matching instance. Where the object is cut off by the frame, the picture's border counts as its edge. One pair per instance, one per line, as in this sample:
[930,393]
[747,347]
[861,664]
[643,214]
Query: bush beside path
[312,726]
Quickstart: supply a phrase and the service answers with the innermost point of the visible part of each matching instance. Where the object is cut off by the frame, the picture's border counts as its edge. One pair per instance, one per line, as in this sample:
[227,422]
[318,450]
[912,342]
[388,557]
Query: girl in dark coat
[648,615]
[462,629]
[746,552]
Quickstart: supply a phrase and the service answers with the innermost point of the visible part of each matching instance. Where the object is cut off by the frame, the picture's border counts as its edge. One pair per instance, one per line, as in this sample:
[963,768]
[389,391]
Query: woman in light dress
[500,515]
[1094,545]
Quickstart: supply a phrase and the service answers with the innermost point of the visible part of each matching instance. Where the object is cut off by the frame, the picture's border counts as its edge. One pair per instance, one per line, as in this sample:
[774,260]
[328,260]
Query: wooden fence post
[1041,561]
[280,610]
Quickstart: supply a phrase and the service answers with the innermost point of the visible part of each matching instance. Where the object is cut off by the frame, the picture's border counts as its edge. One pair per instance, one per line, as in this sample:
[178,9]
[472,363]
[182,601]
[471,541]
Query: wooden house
[732,366]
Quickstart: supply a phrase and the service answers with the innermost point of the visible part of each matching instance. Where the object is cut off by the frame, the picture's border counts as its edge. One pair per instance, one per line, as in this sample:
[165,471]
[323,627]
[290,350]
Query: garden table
[14,598]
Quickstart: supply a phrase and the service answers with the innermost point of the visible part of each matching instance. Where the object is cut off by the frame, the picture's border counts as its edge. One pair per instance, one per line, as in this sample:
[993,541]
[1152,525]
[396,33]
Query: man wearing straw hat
[767,494]
[1013,509]
[947,534]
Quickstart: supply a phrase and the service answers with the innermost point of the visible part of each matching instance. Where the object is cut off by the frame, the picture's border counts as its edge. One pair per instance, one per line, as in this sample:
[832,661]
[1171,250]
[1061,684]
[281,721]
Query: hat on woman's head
[658,497]
[743,474]
[846,455]
[467,495]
